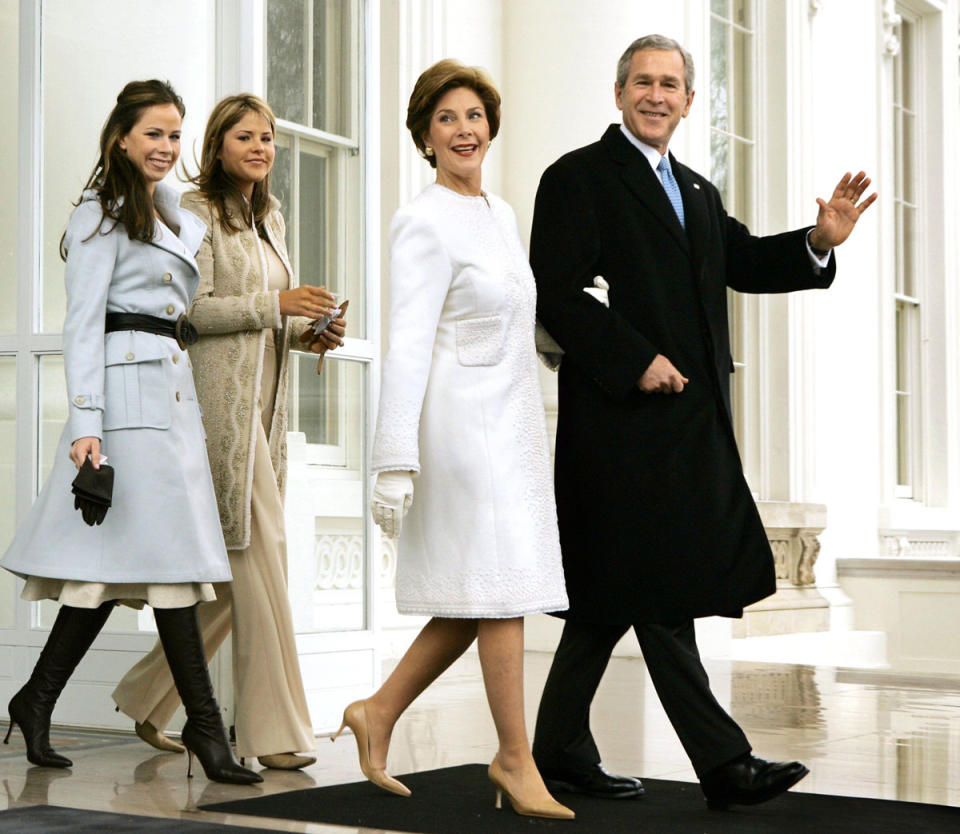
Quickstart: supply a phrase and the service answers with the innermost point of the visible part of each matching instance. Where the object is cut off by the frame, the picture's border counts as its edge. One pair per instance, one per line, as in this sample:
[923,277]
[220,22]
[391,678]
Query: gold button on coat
[79,400]
[169,309]
[176,358]
[129,357]
[168,277]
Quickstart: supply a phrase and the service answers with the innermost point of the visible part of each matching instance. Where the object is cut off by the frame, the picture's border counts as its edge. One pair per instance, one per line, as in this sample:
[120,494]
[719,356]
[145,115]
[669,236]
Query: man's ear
[617,90]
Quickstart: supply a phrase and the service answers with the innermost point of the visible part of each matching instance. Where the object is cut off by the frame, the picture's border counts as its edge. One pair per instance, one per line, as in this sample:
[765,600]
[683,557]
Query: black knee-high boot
[72,634]
[203,735]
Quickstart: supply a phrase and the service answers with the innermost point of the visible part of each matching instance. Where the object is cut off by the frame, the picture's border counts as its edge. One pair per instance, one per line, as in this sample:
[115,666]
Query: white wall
[559,69]
[847,465]
[81,86]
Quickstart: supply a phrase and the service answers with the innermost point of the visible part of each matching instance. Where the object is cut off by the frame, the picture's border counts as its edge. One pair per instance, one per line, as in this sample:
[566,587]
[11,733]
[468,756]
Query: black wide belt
[181,329]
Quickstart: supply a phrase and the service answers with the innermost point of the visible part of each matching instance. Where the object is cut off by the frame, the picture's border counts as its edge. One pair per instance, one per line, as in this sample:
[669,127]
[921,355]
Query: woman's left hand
[331,338]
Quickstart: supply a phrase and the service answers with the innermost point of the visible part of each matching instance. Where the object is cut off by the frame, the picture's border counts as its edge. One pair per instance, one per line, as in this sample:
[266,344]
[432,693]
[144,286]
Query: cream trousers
[271,713]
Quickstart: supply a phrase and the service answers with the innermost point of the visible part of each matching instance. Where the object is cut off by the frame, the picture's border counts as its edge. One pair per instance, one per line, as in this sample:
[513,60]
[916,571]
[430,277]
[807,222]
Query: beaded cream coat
[234,313]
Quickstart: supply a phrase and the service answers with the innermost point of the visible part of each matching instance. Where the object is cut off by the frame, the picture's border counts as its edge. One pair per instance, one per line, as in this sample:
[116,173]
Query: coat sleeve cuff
[276,306]
[85,422]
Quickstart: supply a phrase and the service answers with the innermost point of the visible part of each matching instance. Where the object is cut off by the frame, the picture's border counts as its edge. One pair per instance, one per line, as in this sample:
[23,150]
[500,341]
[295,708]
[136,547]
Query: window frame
[909,310]
[744,310]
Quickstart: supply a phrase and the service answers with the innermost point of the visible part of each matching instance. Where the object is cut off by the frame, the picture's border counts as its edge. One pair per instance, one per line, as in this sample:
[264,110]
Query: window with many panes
[733,169]
[52,153]
[907,278]
[313,81]
[9,254]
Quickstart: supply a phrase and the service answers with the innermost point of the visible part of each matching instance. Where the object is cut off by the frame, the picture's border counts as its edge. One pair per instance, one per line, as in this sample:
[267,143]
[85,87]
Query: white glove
[548,350]
[599,290]
[392,497]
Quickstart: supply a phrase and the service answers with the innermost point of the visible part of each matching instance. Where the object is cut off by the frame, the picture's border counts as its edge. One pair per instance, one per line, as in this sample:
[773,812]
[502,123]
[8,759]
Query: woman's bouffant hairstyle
[436,82]
[121,187]
[213,182]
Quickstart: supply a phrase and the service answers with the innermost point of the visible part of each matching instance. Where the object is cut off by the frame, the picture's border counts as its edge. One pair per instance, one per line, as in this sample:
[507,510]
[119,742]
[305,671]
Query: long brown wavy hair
[121,187]
[213,182]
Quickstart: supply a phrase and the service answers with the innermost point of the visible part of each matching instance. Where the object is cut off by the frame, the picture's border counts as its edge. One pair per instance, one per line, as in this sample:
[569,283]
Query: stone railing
[793,530]
[797,606]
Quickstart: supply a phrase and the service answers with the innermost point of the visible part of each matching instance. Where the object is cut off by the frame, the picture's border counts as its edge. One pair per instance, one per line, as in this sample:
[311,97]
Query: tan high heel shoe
[285,761]
[152,736]
[546,807]
[355,717]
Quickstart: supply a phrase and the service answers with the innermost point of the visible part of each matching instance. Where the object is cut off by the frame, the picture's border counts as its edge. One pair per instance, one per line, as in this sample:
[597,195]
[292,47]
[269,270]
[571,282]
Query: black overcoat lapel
[642,183]
[695,212]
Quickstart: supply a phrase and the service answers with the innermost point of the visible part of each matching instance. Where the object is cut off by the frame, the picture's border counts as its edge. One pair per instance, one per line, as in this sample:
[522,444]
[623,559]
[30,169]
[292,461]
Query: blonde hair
[213,182]
[434,83]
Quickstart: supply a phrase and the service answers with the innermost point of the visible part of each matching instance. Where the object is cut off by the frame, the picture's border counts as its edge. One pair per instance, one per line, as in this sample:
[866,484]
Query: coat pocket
[480,340]
[136,388]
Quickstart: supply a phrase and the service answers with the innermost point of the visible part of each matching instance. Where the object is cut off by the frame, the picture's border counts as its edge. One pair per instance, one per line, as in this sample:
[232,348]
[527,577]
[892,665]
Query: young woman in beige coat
[248,310]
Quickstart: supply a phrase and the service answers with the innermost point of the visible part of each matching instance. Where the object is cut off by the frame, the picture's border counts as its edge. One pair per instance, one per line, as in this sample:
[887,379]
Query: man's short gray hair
[655,42]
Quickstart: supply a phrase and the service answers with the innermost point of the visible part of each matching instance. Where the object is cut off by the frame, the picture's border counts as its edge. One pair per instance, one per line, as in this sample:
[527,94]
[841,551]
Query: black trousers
[563,739]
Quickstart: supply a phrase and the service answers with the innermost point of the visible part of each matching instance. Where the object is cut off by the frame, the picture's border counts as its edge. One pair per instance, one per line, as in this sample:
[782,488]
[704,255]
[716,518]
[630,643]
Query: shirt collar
[651,153]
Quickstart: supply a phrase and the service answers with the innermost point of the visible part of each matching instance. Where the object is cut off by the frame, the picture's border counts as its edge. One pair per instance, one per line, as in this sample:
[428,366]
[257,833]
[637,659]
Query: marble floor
[861,733]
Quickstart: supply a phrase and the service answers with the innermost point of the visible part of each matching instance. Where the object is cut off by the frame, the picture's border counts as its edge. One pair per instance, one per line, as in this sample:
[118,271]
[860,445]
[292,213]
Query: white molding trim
[241,51]
[320,136]
[370,142]
[802,338]
[29,249]
[421,25]
[900,568]
[891,20]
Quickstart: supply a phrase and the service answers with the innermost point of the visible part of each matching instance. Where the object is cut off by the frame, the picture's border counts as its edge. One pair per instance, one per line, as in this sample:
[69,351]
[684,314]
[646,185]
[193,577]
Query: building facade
[847,402]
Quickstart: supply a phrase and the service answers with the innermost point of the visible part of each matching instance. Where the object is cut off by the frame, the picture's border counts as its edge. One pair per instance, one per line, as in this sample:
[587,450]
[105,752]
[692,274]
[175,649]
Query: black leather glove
[93,489]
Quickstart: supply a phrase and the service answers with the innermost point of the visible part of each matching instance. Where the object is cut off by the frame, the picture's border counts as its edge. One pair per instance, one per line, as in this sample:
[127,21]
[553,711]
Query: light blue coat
[135,391]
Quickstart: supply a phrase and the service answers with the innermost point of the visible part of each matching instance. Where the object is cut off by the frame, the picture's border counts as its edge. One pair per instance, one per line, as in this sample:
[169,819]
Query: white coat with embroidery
[135,391]
[461,405]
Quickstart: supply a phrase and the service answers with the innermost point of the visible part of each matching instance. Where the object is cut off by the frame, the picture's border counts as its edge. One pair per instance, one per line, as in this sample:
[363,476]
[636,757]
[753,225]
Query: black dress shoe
[749,781]
[593,781]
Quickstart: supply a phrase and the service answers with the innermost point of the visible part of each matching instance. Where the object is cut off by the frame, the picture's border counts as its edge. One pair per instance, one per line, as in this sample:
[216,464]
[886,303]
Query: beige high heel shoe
[286,761]
[152,736]
[355,717]
[548,807]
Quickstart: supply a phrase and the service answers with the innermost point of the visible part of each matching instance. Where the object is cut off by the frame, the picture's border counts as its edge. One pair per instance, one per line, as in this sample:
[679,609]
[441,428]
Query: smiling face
[153,143]
[459,135]
[248,151]
[654,98]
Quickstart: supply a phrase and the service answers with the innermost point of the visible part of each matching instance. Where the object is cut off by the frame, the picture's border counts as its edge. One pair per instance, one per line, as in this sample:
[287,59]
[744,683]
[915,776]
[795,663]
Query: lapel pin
[697,186]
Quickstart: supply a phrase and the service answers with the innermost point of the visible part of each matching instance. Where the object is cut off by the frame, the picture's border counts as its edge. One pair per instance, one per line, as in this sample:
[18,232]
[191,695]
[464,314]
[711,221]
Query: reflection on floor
[861,734]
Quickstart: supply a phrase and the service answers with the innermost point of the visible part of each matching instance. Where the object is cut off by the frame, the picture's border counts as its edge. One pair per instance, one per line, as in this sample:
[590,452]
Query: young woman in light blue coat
[130,276]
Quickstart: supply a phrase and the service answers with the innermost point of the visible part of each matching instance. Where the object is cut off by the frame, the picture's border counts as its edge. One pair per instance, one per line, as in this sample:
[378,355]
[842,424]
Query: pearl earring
[428,150]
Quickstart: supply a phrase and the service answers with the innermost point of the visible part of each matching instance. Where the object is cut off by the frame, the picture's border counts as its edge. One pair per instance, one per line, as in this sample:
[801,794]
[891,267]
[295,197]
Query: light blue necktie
[672,189]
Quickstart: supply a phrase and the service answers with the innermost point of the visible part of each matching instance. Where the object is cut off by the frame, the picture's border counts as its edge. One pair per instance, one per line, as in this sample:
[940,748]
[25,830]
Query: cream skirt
[136,595]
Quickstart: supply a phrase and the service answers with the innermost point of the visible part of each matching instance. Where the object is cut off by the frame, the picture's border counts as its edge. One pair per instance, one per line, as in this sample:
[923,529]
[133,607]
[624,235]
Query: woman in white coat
[461,415]
[130,275]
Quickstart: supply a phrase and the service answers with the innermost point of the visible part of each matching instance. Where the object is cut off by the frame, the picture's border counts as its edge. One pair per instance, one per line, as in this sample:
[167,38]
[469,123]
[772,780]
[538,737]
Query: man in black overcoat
[657,524]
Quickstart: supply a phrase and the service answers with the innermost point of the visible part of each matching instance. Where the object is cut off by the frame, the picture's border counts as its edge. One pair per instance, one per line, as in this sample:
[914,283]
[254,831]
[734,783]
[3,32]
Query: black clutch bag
[93,491]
